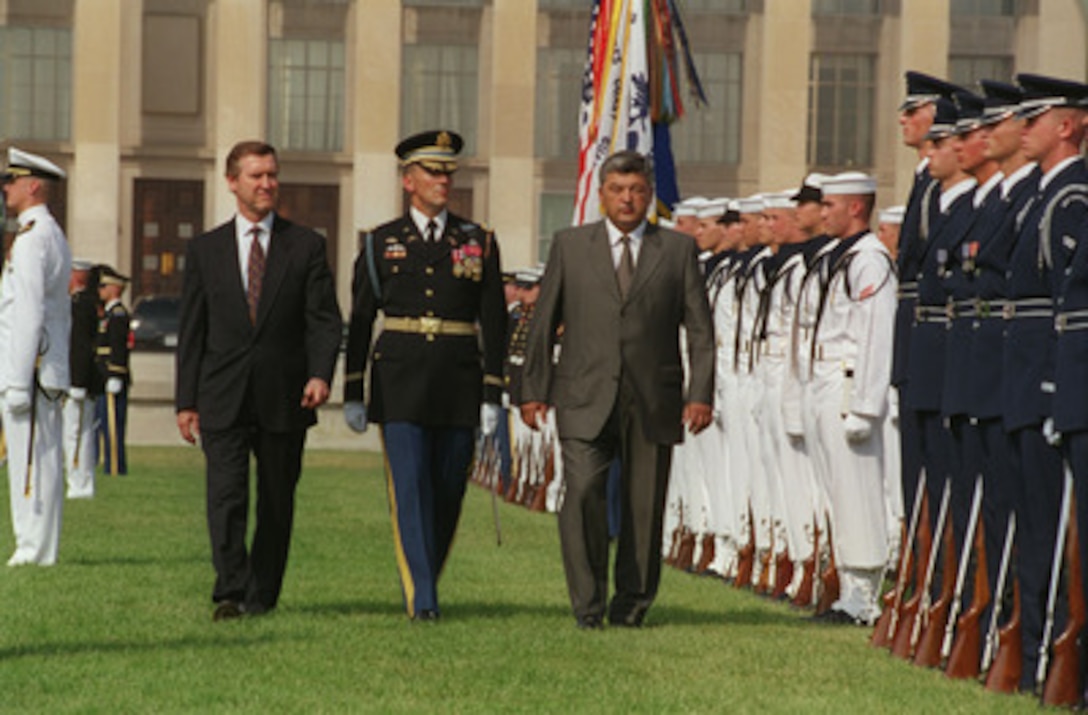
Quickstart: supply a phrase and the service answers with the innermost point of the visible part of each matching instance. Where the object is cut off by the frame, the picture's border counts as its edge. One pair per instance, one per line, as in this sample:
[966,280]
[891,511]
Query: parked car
[155,320]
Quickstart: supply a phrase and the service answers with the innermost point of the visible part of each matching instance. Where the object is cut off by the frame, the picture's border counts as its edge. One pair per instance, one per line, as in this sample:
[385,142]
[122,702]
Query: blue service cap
[1043,93]
[924,89]
[969,109]
[1002,99]
[944,119]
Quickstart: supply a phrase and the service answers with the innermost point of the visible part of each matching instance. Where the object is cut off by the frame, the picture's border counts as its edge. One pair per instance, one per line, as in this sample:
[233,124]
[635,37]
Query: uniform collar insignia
[26,227]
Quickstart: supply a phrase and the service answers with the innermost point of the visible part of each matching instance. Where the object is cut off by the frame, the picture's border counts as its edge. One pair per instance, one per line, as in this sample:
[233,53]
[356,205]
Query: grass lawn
[123,623]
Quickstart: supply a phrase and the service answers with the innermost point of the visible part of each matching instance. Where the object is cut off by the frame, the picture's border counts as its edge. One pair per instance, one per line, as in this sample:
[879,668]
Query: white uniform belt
[1028,308]
[979,308]
[1072,320]
[931,314]
[429,326]
[516,359]
[908,290]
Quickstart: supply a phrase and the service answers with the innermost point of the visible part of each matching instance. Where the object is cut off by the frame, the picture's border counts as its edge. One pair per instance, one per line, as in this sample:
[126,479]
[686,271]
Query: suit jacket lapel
[279,250]
[600,257]
[226,258]
[649,255]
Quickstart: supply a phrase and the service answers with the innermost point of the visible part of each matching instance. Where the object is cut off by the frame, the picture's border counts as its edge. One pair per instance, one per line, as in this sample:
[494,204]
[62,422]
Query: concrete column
[1053,42]
[237,79]
[512,200]
[923,46]
[783,81]
[94,207]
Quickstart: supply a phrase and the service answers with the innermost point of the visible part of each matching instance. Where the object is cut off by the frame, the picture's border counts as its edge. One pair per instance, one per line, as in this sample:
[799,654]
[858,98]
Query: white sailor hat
[892,214]
[81,264]
[780,200]
[23,163]
[750,205]
[713,208]
[689,206]
[849,183]
[810,188]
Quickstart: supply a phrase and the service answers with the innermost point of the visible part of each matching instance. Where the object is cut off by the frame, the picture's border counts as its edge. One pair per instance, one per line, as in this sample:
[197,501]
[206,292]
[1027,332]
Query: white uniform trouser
[855,486]
[79,418]
[35,517]
[750,390]
[719,499]
[736,454]
[893,476]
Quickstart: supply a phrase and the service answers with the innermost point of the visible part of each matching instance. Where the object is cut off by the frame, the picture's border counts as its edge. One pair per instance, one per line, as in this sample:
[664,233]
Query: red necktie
[254,273]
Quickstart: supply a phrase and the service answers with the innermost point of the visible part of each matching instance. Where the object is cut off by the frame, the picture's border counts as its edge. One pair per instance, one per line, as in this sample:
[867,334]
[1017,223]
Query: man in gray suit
[621,288]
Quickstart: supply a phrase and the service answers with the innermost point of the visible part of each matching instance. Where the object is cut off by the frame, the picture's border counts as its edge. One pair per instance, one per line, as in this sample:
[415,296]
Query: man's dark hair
[247,148]
[627,162]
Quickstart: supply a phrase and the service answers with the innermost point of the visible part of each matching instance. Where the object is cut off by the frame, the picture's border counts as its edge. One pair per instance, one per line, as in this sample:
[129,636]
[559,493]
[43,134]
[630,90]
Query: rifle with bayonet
[928,647]
[962,660]
[910,627]
[884,633]
[970,540]
[806,590]
[989,649]
[1063,685]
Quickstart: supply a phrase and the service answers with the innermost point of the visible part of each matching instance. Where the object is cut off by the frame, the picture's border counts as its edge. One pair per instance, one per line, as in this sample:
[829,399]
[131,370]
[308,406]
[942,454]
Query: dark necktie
[254,273]
[625,272]
[432,231]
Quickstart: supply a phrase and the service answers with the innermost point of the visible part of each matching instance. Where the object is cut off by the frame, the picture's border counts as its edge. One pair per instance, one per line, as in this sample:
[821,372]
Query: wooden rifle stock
[916,609]
[928,651]
[687,550]
[706,553]
[763,585]
[540,502]
[829,577]
[884,633]
[1063,683]
[1004,674]
[963,660]
[746,556]
[806,589]
[998,596]
[783,574]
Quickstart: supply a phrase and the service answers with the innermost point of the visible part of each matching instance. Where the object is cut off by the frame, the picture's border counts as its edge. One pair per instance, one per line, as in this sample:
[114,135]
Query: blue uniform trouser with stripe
[426,472]
[111,445]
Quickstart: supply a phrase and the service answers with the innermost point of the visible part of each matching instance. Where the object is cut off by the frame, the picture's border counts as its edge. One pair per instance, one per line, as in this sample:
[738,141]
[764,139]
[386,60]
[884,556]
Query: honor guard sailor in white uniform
[852,372]
[35,320]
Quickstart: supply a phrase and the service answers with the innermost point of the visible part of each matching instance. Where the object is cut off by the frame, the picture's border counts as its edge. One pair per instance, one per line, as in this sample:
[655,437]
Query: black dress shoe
[228,610]
[835,617]
[590,623]
[427,614]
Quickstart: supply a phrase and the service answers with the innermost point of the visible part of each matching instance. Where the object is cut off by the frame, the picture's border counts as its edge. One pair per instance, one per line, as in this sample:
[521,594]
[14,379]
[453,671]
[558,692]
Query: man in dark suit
[260,330]
[621,288]
[436,368]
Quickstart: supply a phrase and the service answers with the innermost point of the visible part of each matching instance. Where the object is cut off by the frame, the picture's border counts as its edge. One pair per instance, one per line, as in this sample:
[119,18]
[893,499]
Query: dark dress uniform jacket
[1067,223]
[997,238]
[81,356]
[431,380]
[605,336]
[959,284]
[221,355]
[912,245]
[1030,342]
[112,345]
[925,362]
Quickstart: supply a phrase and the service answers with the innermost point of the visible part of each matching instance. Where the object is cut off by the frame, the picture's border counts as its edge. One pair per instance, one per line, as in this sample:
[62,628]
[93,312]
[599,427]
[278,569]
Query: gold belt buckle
[430,325]
[1008,311]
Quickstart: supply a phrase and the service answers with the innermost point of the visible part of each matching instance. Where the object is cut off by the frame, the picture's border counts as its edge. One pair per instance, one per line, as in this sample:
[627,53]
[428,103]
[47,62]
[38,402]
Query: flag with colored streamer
[630,95]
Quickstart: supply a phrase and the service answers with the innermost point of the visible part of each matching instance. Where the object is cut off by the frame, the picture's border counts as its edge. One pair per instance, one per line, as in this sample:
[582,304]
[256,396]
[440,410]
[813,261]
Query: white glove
[1053,436]
[79,394]
[18,401]
[355,416]
[489,418]
[114,385]
[858,428]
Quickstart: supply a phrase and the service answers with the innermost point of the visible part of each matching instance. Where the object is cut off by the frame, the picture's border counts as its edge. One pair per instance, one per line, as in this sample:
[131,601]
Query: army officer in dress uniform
[111,353]
[436,368]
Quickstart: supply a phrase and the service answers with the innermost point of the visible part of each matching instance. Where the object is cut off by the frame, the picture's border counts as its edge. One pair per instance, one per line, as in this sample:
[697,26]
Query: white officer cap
[849,183]
[23,163]
[892,214]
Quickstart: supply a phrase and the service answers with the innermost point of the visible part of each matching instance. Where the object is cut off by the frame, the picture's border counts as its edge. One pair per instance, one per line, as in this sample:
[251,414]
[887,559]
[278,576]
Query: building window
[967,71]
[558,100]
[711,134]
[438,90]
[846,7]
[983,8]
[840,110]
[306,94]
[35,83]
[718,7]
[556,211]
